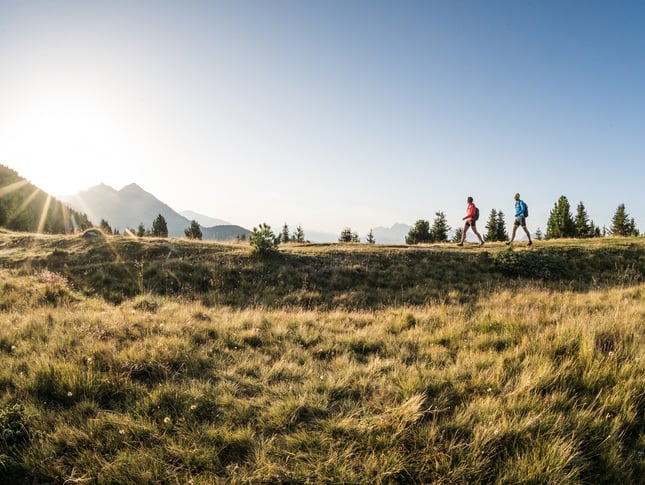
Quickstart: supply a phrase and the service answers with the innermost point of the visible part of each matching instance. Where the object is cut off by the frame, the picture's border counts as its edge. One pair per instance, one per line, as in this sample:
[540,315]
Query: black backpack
[526,209]
[476,213]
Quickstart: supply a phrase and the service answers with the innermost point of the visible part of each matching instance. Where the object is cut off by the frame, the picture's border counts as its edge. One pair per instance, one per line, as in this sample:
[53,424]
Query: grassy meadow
[152,361]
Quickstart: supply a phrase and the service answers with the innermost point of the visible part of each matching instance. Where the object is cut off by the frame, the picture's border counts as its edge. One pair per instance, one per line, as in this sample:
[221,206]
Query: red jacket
[470,212]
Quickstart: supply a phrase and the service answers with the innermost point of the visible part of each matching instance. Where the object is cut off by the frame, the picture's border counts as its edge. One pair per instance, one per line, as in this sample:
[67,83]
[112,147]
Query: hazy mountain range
[131,206]
[204,220]
[127,209]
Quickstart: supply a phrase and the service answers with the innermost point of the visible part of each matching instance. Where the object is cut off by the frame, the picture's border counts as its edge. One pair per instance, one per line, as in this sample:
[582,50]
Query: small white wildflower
[69,394]
[489,390]
[166,420]
[13,347]
[496,432]
[121,431]
[193,407]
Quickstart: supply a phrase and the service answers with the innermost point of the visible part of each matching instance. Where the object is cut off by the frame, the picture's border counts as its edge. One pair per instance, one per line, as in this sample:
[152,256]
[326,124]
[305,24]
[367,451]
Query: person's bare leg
[463,235]
[512,235]
[481,241]
[528,234]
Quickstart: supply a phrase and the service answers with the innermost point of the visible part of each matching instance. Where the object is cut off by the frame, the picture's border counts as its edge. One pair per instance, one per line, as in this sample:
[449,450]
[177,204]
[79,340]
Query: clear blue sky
[330,113]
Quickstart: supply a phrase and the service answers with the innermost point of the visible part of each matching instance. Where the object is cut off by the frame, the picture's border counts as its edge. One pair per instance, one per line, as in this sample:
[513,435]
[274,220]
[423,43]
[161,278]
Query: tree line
[561,224]
[159,228]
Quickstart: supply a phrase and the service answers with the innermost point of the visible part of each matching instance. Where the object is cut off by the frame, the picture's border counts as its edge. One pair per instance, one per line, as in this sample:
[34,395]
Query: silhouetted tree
[440,228]
[284,235]
[299,235]
[105,227]
[3,213]
[538,234]
[370,237]
[194,231]
[560,223]
[458,232]
[159,227]
[141,230]
[347,235]
[419,233]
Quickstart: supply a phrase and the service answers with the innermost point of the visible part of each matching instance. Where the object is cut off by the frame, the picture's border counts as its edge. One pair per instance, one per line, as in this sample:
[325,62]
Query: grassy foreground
[492,381]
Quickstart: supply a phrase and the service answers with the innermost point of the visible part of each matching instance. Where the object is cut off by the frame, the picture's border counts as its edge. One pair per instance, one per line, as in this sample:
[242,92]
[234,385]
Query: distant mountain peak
[132,205]
[102,187]
[132,188]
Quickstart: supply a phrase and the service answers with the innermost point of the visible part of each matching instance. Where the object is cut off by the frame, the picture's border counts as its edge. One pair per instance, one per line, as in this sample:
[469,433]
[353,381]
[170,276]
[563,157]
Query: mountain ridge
[132,205]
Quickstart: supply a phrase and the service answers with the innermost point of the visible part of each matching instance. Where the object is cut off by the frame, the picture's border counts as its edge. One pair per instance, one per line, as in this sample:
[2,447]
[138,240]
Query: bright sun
[67,137]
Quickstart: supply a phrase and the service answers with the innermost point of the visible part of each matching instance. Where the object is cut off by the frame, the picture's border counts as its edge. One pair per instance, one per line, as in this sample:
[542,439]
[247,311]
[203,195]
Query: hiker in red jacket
[472,214]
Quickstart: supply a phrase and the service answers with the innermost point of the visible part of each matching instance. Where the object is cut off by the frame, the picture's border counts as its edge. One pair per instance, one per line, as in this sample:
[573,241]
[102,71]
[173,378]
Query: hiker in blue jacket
[520,219]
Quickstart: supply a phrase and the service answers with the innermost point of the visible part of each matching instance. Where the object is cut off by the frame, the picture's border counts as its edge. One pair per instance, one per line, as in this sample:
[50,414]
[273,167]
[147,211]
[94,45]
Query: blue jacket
[520,207]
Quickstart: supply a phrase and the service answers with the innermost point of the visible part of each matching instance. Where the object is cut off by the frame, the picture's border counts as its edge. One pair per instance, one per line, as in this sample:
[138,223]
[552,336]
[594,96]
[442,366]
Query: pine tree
[560,223]
[538,234]
[262,240]
[370,237]
[141,230]
[348,236]
[440,228]
[491,227]
[299,235]
[3,213]
[496,227]
[458,233]
[284,235]
[193,231]
[159,227]
[502,235]
[622,224]
[583,229]
[105,227]
[420,233]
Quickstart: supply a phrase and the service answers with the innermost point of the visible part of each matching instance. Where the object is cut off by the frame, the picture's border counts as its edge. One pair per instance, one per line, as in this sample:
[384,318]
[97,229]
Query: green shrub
[262,240]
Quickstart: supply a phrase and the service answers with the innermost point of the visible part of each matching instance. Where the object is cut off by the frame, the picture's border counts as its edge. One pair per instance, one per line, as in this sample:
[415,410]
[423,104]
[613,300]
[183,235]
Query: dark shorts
[470,224]
[520,221]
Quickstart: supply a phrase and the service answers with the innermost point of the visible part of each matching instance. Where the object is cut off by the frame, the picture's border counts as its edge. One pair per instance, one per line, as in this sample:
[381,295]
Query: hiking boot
[530,243]
[481,244]
[460,244]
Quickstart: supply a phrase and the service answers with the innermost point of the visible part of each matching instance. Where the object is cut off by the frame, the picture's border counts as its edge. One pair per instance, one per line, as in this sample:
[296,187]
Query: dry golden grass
[171,361]
[518,386]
